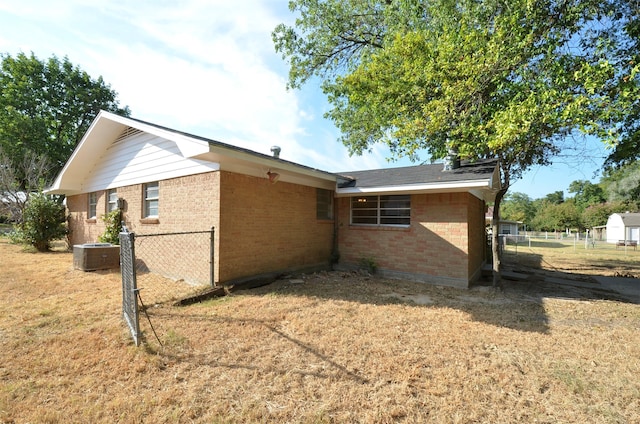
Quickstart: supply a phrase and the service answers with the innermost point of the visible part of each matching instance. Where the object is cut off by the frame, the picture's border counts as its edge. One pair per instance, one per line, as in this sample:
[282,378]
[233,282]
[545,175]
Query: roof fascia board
[230,159]
[496,181]
[486,195]
[77,152]
[475,185]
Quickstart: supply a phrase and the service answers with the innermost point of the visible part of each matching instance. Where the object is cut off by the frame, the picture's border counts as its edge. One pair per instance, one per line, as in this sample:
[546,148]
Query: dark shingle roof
[419,174]
[631,219]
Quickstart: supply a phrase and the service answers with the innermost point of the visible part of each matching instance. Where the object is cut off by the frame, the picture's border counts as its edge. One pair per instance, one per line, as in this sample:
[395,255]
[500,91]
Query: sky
[209,68]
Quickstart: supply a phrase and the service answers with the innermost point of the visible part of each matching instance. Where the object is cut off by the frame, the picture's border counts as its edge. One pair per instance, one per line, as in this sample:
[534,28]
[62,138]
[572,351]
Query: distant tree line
[590,205]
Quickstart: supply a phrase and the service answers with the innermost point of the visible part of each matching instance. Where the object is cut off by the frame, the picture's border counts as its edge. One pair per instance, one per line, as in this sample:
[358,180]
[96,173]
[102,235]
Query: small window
[151,196]
[112,200]
[381,210]
[93,205]
[324,204]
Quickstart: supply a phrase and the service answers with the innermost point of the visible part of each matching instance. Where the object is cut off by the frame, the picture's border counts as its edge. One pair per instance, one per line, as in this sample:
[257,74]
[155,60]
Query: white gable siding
[139,159]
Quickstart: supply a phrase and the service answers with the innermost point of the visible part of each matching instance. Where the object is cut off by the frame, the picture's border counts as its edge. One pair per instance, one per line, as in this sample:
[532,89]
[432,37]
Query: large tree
[586,194]
[45,109]
[626,59]
[623,184]
[496,78]
[518,207]
[557,216]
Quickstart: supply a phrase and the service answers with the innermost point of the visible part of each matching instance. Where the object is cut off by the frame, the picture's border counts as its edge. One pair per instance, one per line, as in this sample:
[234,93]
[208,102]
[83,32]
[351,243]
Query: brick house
[273,215]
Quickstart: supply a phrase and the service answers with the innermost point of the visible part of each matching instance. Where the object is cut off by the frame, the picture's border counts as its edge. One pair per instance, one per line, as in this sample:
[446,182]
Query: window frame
[379,214]
[92,205]
[112,204]
[148,201]
[324,204]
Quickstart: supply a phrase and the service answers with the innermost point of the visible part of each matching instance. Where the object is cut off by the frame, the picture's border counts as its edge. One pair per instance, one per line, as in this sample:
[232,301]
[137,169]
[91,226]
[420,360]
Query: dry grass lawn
[331,347]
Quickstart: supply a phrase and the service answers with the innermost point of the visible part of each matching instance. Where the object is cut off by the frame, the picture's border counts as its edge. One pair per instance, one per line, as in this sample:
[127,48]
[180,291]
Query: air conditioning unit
[95,256]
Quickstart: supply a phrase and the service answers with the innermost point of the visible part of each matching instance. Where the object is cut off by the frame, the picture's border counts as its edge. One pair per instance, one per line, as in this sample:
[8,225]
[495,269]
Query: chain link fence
[170,266]
[163,268]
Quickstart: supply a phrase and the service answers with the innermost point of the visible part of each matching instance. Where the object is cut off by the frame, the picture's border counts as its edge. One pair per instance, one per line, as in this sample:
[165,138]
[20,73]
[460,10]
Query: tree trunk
[495,239]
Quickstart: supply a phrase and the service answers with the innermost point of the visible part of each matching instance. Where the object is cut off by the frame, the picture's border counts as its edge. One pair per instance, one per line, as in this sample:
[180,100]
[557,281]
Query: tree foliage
[555,198]
[518,207]
[597,214]
[623,184]
[591,205]
[586,194]
[45,109]
[626,59]
[557,216]
[30,172]
[494,78]
[44,220]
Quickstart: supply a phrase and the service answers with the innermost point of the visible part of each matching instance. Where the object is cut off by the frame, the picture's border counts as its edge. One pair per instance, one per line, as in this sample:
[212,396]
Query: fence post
[212,247]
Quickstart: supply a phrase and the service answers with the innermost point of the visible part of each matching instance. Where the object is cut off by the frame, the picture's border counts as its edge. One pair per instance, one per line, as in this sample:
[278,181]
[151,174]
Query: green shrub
[43,221]
[113,223]
[369,264]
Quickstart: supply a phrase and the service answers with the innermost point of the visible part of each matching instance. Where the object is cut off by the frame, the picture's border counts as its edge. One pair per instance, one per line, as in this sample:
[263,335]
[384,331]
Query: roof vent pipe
[452,160]
[276,151]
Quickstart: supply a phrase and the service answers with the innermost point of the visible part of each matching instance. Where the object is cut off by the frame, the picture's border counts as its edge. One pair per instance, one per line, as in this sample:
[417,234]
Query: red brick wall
[263,227]
[477,236]
[267,227]
[186,204]
[81,229]
[259,227]
[435,248]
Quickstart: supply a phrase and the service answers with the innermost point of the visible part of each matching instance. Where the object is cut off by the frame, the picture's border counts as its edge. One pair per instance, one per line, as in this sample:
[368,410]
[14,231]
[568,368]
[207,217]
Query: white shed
[623,226]
[509,227]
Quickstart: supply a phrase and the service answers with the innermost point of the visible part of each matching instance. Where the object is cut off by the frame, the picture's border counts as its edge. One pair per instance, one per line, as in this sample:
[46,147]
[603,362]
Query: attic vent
[128,132]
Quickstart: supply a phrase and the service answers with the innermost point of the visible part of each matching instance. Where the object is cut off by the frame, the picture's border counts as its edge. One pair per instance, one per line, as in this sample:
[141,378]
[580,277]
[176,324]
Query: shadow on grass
[527,280]
[519,306]
[528,274]
[509,308]
[331,370]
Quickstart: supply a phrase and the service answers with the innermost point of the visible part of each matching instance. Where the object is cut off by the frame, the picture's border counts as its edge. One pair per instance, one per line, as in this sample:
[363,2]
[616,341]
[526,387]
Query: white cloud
[205,67]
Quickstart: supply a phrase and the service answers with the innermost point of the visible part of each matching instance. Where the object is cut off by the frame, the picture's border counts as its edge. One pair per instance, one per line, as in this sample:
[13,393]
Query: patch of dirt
[418,299]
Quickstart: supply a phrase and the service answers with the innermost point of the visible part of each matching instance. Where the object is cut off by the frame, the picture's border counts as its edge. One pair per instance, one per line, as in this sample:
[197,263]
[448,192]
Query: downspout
[335,252]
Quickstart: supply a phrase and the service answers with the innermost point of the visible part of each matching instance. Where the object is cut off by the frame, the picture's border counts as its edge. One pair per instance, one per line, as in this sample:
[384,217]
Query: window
[93,205]
[381,210]
[324,204]
[151,194]
[112,200]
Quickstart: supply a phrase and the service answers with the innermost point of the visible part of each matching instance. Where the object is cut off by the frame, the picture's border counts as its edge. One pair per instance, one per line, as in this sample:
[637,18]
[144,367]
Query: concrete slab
[627,287]
[516,276]
[570,282]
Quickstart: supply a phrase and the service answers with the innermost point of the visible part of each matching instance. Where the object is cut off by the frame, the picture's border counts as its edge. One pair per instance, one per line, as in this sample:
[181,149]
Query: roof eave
[231,158]
[475,187]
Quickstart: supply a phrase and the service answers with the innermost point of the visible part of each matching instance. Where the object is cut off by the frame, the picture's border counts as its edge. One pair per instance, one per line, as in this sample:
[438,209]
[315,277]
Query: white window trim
[147,200]
[92,205]
[111,202]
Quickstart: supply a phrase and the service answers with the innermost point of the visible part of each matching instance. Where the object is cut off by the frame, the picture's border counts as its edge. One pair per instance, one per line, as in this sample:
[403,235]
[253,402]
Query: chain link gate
[130,311]
[168,266]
